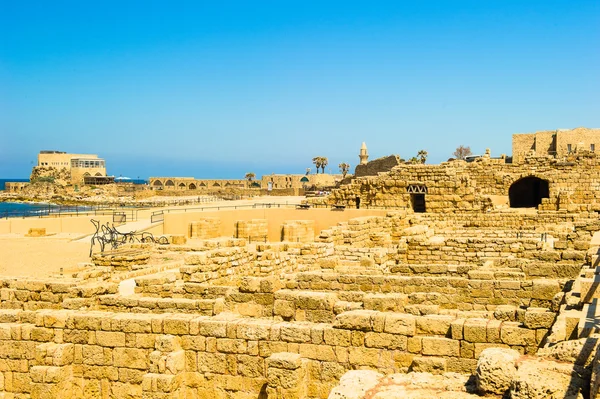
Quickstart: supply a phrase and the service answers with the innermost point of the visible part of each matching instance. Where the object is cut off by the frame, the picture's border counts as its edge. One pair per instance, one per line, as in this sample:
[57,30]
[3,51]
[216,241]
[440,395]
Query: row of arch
[172,184]
[87,174]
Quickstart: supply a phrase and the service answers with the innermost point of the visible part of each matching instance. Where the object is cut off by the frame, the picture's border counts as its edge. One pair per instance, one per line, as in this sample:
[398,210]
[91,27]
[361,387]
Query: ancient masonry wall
[93,354]
[460,186]
[287,320]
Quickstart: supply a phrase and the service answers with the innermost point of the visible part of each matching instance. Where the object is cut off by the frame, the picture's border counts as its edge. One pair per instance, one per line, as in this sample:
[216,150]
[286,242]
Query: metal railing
[157,216]
[232,207]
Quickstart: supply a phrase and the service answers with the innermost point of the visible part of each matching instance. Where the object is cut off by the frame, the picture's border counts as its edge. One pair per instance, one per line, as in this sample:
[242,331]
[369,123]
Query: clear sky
[221,88]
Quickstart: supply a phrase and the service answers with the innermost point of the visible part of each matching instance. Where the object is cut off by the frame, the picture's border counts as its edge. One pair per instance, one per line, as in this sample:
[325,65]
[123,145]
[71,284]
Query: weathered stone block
[435,346]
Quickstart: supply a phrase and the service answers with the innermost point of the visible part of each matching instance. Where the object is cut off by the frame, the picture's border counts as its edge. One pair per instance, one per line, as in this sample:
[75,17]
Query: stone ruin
[411,303]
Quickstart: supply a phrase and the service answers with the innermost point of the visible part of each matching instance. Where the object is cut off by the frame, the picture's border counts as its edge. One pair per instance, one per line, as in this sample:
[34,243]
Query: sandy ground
[40,256]
[44,256]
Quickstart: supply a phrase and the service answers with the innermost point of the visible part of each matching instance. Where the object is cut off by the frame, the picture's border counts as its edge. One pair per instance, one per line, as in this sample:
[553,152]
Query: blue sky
[221,88]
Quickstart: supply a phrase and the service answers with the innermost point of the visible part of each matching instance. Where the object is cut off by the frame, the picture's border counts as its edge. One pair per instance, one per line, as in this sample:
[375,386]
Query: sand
[41,257]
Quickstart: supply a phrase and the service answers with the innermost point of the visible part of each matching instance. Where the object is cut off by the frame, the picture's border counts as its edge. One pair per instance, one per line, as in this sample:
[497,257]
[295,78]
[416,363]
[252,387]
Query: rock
[580,351]
[354,384]
[403,386]
[496,369]
[544,379]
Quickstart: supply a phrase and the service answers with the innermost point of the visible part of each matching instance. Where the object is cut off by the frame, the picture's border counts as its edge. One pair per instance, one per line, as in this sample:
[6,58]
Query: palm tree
[318,162]
[422,156]
[344,168]
[324,162]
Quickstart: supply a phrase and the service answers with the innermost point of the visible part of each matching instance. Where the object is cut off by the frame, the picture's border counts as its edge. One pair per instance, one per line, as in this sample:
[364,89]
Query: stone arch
[157,183]
[182,186]
[169,183]
[98,174]
[86,174]
[192,186]
[202,184]
[528,192]
[216,184]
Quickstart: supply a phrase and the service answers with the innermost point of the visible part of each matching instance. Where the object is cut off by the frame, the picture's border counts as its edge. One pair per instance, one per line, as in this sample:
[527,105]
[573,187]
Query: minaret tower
[364,155]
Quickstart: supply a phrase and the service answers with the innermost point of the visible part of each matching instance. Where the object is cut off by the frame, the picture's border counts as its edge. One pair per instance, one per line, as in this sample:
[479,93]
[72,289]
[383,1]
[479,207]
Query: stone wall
[252,230]
[554,143]
[460,186]
[205,228]
[76,354]
[376,166]
[298,231]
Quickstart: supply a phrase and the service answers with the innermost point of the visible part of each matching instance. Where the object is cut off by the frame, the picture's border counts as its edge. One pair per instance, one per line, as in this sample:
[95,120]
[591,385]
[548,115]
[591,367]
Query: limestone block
[253,230]
[505,312]
[177,239]
[456,329]
[435,346]
[295,332]
[355,320]
[167,343]
[475,330]
[493,331]
[399,323]
[539,318]
[511,333]
[385,341]
[131,358]
[428,364]
[298,231]
[385,302]
[110,338]
[433,324]
[537,379]
[545,289]
[36,232]
[288,380]
[205,228]
[496,369]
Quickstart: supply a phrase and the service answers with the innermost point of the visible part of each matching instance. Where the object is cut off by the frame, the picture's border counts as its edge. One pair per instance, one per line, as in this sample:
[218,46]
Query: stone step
[589,322]
[589,288]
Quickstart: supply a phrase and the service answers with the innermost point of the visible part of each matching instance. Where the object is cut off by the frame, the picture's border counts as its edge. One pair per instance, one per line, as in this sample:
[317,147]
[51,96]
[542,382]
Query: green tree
[462,152]
[250,176]
[344,168]
[422,156]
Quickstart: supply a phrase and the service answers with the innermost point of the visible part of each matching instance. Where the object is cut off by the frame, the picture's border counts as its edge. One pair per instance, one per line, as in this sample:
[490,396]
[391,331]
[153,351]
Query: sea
[23,209]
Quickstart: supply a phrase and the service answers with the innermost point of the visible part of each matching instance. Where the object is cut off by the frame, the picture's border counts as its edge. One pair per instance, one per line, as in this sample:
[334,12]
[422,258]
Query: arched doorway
[528,192]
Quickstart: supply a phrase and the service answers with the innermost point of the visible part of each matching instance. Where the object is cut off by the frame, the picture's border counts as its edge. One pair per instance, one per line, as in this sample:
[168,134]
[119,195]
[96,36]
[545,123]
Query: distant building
[78,166]
[556,143]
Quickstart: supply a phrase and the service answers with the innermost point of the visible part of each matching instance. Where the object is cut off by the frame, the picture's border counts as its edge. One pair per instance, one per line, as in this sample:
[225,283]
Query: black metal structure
[107,234]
